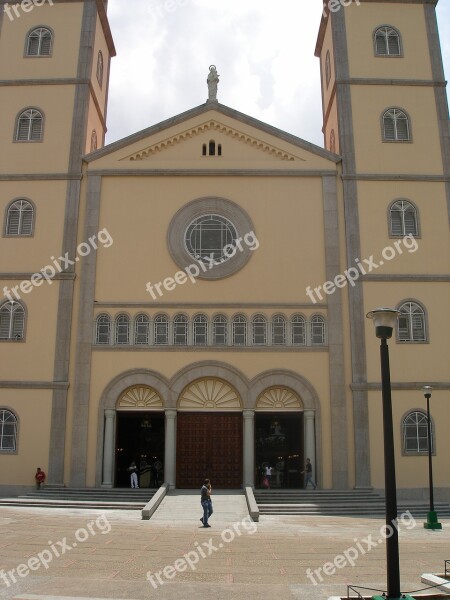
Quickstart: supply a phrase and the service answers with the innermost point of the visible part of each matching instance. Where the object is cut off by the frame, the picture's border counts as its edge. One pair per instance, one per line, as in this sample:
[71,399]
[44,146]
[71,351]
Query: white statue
[212,81]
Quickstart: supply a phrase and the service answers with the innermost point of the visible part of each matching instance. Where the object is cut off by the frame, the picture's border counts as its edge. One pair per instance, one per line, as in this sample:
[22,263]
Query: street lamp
[432,520]
[385,320]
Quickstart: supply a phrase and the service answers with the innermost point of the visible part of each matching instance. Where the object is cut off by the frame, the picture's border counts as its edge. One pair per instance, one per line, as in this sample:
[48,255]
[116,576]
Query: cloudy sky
[264,54]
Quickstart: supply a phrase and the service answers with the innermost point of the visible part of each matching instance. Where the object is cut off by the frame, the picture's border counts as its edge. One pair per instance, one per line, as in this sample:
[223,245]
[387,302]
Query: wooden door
[209,445]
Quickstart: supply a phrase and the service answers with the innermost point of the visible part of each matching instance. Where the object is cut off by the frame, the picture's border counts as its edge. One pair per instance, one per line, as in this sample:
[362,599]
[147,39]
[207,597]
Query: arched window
[19,218]
[332,141]
[298,330]
[411,323]
[94,142]
[396,125]
[39,42]
[200,330]
[212,148]
[8,430]
[122,329]
[259,330]
[141,329]
[161,329]
[29,126]
[317,330]
[403,219]
[328,68]
[387,41]
[415,433]
[278,330]
[239,330]
[12,321]
[103,330]
[180,330]
[220,331]
[100,68]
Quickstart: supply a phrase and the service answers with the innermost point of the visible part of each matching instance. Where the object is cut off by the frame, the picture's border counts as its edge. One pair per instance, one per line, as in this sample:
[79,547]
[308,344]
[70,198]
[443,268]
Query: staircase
[351,503]
[91,498]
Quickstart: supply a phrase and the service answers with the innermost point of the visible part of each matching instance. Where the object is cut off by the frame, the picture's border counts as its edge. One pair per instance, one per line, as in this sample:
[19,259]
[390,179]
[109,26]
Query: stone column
[108,448]
[310,439]
[170,448]
[249,447]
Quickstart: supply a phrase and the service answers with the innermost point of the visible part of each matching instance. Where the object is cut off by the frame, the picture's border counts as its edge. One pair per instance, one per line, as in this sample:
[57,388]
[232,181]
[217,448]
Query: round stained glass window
[207,238]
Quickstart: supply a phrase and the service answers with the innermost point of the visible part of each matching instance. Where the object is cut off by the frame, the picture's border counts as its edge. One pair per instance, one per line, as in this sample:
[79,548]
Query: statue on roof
[212,81]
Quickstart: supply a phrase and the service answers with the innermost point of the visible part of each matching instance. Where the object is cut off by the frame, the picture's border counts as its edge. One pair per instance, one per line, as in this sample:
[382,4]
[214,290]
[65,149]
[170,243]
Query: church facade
[193,297]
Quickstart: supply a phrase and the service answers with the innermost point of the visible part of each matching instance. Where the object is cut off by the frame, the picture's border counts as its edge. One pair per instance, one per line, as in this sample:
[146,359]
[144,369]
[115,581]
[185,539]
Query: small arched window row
[12,321]
[8,431]
[387,41]
[412,323]
[212,149]
[415,433]
[201,330]
[19,218]
[403,219]
[396,125]
[29,126]
[39,42]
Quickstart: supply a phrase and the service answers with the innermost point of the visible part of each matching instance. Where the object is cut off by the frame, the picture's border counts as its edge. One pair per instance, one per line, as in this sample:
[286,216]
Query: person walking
[133,475]
[206,502]
[308,474]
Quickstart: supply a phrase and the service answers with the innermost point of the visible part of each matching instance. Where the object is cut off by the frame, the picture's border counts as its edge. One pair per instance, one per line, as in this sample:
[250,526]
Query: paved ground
[110,554]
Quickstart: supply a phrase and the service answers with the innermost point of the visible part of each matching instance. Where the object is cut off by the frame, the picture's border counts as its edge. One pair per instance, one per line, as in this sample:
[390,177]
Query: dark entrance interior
[140,438]
[279,444]
[209,445]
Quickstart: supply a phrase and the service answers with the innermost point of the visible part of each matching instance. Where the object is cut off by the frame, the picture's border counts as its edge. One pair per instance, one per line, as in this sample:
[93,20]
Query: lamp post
[432,520]
[385,320]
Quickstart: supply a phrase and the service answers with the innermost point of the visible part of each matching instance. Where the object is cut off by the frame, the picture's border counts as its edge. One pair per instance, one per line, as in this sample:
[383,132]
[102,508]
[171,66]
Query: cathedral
[193,298]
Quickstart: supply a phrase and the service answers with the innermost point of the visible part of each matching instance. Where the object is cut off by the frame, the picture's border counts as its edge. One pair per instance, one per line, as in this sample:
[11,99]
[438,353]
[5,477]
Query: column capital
[110,412]
[309,414]
[248,414]
[170,413]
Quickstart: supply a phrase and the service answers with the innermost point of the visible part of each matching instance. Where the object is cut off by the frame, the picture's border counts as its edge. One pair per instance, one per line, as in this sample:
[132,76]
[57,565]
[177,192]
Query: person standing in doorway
[206,502]
[308,474]
[133,475]
[267,476]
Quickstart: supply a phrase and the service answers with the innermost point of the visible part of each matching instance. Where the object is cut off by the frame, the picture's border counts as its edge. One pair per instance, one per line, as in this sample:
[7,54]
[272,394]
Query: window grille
[19,218]
[415,433]
[39,42]
[12,321]
[29,126]
[387,42]
[8,430]
[411,323]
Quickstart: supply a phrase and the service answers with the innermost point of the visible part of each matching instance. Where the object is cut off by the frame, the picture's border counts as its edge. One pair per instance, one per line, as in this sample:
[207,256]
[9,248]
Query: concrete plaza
[109,554]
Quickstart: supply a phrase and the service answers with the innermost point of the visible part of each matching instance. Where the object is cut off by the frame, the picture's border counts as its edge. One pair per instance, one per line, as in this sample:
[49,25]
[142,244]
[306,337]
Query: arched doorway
[209,435]
[140,426]
[279,438]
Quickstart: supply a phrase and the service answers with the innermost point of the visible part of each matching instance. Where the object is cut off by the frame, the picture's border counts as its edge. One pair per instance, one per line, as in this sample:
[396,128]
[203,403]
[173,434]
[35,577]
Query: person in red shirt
[40,478]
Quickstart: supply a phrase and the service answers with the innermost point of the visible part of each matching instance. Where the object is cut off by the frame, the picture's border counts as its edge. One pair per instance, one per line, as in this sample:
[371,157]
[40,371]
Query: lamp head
[427,390]
[384,320]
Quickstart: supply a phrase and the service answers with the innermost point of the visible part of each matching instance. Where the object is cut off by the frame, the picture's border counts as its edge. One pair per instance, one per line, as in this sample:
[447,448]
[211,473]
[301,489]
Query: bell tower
[385,112]
[54,71]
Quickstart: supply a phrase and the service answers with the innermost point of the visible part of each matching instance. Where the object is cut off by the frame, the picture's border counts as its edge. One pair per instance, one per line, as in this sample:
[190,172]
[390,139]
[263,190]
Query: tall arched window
[29,126]
[332,141]
[12,321]
[141,329]
[403,219]
[103,330]
[239,330]
[122,329]
[39,42]
[298,330]
[8,430]
[415,433]
[19,218]
[100,68]
[278,330]
[220,331]
[328,68]
[317,330]
[200,332]
[259,324]
[94,141]
[387,41]
[161,329]
[411,323]
[180,330]
[396,126]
